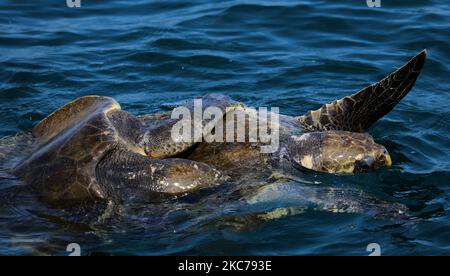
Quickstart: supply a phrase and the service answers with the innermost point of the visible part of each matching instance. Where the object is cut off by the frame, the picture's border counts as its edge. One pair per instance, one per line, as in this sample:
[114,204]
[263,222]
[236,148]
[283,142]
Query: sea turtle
[330,139]
[90,149]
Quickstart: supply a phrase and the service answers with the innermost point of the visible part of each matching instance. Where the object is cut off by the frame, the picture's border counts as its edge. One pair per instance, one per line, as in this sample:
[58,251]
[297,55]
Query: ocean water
[295,55]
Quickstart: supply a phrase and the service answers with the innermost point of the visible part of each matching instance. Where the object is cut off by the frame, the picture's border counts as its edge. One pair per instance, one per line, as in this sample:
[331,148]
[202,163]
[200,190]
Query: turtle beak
[388,160]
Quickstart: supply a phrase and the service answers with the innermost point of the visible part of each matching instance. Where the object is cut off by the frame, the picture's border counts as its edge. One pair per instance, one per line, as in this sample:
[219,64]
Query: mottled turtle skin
[91,150]
[329,151]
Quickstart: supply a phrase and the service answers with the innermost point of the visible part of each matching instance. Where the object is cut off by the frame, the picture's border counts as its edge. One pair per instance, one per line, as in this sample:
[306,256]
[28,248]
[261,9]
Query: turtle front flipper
[359,111]
[165,136]
[132,176]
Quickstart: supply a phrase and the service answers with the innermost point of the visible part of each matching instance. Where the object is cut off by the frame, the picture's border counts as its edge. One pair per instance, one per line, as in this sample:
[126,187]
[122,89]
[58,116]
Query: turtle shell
[68,145]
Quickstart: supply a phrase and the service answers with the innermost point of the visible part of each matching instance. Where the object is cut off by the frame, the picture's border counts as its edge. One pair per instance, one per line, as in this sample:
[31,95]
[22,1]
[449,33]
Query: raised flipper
[359,111]
[134,177]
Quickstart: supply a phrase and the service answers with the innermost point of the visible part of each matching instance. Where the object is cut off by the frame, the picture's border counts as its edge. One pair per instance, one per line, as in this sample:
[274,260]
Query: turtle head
[339,152]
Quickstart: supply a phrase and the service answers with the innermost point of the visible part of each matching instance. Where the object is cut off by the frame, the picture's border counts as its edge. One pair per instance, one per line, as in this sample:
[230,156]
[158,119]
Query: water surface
[295,55]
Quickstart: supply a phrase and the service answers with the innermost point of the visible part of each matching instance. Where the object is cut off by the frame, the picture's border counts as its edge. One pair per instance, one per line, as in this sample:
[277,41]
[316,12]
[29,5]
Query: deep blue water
[295,55]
